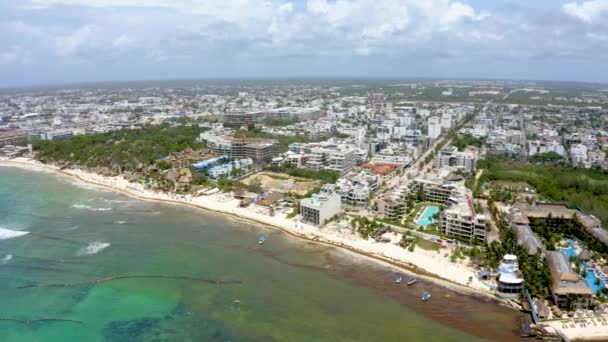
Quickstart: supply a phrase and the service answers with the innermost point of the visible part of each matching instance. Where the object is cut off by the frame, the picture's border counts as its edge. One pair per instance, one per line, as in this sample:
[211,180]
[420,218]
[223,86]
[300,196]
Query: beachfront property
[319,208]
[460,220]
[568,289]
[426,216]
[510,279]
[12,136]
[451,157]
[187,157]
[555,215]
[525,236]
[354,189]
[391,205]
[225,169]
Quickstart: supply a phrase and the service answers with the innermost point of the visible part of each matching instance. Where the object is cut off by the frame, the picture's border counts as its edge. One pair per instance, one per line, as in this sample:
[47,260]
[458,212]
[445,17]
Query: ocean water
[289,290]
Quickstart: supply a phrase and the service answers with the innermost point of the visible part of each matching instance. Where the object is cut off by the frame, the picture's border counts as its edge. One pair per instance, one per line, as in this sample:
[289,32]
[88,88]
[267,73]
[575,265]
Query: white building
[446,120]
[460,220]
[319,208]
[510,279]
[450,156]
[536,147]
[434,127]
[578,154]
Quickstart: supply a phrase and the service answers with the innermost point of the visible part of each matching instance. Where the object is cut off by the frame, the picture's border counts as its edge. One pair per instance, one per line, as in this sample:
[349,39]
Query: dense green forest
[284,141]
[584,188]
[124,149]
[463,141]
[325,176]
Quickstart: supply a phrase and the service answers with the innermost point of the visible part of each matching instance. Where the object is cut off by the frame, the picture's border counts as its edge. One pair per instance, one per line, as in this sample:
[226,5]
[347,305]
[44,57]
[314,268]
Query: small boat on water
[426,296]
[398,279]
[261,240]
[412,281]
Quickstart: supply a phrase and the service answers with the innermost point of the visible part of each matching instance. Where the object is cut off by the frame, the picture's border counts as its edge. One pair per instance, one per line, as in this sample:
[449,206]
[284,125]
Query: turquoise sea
[291,290]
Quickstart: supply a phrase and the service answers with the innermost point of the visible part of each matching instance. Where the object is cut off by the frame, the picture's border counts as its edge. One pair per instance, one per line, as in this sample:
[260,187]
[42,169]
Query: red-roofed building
[385,170]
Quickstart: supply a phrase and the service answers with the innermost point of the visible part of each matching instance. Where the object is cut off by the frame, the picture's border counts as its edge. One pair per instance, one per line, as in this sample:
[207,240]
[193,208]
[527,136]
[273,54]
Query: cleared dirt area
[282,182]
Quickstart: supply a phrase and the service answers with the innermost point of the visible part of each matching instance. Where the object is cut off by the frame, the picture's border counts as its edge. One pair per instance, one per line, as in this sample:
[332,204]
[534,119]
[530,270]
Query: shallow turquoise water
[291,290]
[427,215]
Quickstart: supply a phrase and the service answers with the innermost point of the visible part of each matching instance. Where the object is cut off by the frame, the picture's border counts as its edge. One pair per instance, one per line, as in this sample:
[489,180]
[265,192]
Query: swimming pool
[570,251]
[427,215]
[590,278]
[592,281]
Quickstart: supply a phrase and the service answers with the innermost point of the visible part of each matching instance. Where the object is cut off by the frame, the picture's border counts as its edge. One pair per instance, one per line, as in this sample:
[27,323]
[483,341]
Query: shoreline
[307,233]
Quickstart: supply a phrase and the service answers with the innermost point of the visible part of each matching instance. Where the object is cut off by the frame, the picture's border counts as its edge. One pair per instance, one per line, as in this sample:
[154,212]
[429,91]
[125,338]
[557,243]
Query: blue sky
[64,41]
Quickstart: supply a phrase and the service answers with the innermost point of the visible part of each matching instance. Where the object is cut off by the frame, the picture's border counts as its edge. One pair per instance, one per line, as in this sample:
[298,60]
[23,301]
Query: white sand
[428,261]
[589,332]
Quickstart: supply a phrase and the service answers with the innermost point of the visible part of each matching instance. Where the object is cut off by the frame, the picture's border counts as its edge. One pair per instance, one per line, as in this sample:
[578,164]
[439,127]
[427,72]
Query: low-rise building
[510,279]
[569,290]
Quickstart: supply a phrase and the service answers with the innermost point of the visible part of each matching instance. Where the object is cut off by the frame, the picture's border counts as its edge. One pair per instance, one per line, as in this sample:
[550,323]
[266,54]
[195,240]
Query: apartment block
[319,208]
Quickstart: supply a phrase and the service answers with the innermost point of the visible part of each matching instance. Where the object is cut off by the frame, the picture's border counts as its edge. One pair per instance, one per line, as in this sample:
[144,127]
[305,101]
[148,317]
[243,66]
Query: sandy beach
[428,264]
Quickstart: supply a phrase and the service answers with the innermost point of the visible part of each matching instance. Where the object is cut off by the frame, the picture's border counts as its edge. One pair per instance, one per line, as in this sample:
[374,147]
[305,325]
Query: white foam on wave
[7,258]
[93,248]
[117,201]
[9,234]
[120,222]
[68,229]
[88,207]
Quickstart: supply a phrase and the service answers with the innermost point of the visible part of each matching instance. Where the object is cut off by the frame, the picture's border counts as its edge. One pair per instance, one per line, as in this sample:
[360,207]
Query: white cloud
[319,32]
[586,10]
[86,37]
[457,12]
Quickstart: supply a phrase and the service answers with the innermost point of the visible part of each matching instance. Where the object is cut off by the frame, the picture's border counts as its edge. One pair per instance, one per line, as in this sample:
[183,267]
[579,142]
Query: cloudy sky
[62,41]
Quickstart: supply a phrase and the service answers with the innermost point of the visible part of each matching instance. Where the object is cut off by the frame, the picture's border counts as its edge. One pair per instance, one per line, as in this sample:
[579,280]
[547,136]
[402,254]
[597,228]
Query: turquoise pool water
[594,282]
[427,215]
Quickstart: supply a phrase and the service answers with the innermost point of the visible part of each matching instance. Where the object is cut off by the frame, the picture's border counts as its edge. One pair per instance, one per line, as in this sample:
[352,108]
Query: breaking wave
[88,207]
[6,259]
[93,248]
[120,222]
[8,234]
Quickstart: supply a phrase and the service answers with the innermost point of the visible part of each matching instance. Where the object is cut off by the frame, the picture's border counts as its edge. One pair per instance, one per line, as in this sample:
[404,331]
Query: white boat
[425,296]
[412,281]
[261,240]
[398,279]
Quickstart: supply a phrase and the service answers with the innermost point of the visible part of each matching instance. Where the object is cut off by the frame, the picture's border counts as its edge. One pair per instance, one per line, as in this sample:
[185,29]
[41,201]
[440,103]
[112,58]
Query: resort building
[319,208]
[434,191]
[391,206]
[355,189]
[510,279]
[525,236]
[10,136]
[460,220]
[258,149]
[187,157]
[569,290]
